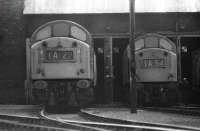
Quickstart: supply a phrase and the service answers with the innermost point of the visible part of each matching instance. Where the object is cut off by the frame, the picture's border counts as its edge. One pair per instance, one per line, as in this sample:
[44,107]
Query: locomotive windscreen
[61,28]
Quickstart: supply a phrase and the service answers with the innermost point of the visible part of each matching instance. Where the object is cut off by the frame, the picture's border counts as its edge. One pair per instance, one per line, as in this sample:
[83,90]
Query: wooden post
[132,66]
[108,71]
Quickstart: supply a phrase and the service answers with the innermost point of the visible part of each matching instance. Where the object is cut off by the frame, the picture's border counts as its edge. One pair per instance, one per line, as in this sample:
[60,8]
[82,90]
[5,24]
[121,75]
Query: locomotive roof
[69,29]
[108,6]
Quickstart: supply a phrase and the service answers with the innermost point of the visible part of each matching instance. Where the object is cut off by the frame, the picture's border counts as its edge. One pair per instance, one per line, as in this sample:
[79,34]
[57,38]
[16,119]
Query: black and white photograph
[99,65]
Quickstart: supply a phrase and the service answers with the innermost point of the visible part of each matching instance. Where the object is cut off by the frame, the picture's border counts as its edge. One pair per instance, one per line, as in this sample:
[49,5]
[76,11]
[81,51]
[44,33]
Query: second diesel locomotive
[60,65]
[156,70]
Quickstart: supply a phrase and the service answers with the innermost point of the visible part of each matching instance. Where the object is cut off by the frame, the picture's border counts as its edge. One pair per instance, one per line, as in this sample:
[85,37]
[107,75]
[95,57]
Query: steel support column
[108,70]
[132,67]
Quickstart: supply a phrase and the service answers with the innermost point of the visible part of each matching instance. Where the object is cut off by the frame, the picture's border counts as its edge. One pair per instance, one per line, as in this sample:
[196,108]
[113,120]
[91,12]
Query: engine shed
[109,27]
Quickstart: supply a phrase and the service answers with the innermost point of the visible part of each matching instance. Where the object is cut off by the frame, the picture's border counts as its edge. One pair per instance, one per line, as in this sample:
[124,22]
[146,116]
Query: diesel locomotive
[60,65]
[156,70]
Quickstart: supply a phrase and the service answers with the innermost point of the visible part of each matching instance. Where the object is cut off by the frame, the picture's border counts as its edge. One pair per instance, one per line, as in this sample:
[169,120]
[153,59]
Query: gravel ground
[147,116]
[20,110]
[72,117]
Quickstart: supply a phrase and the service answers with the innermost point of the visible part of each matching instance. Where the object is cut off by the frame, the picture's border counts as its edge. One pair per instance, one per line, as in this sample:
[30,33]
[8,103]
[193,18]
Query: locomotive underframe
[158,94]
[62,92]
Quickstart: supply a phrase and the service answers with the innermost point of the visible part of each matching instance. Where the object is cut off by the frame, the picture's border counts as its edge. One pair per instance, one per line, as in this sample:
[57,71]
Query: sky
[108,6]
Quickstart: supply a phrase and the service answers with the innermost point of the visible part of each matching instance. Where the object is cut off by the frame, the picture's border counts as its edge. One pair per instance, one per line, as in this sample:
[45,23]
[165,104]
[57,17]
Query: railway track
[83,121]
[36,122]
[116,125]
[185,110]
[39,124]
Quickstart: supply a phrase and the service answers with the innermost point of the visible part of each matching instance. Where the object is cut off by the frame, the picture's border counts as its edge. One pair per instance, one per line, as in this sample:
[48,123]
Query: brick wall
[12,51]
[14,27]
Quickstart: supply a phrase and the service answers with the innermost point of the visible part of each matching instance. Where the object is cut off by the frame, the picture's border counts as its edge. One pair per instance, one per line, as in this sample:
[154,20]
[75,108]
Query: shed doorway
[120,93]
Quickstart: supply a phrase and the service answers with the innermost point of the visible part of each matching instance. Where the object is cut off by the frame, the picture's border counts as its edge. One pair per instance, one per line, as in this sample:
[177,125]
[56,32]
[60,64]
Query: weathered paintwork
[156,65]
[156,70]
[60,65]
[156,59]
[77,68]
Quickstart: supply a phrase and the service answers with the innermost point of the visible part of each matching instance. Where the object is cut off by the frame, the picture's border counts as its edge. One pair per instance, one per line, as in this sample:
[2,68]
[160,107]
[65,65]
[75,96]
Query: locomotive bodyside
[60,65]
[156,69]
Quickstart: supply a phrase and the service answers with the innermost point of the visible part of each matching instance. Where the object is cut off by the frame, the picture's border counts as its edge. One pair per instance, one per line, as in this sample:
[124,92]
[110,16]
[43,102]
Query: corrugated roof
[108,6]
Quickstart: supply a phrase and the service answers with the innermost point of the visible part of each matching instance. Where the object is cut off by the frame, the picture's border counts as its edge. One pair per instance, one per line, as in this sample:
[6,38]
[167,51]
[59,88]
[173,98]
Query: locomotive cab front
[156,69]
[60,65]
